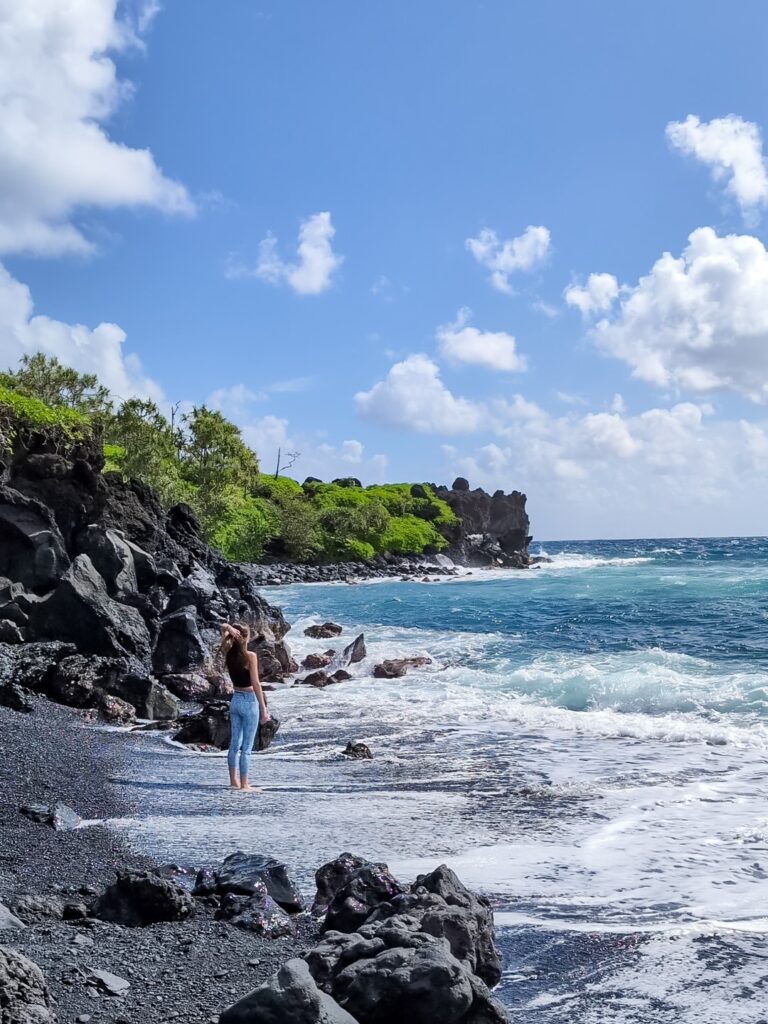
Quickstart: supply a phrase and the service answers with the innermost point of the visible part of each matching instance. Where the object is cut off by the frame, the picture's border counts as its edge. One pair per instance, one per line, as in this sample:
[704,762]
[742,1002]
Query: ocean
[588,748]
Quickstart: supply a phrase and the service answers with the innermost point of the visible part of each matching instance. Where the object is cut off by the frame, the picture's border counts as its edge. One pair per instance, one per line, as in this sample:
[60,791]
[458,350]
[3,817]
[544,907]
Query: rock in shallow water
[323,631]
[358,751]
[395,668]
[354,652]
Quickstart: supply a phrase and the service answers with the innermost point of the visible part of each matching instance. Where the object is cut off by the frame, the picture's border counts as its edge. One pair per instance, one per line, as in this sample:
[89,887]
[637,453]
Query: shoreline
[186,971]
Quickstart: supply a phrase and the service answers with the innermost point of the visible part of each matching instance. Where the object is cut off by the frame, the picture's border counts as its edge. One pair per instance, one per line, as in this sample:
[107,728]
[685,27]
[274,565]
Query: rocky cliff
[108,602]
[493,528]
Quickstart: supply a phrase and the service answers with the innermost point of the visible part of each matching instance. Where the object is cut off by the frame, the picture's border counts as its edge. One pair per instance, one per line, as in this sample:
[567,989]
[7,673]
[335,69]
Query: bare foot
[250,789]
[234,785]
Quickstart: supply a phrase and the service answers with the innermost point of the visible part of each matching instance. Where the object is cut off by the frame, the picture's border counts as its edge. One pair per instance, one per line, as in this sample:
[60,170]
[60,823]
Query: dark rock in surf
[210,726]
[397,667]
[140,898]
[391,970]
[358,751]
[354,652]
[244,874]
[333,876]
[314,661]
[445,908]
[323,631]
[266,733]
[317,679]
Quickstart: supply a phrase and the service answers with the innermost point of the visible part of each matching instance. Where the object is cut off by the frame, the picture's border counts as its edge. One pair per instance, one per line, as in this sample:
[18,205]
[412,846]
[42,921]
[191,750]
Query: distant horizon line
[627,540]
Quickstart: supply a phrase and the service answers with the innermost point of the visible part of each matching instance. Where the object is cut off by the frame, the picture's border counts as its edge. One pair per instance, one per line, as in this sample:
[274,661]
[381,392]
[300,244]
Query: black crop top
[241,677]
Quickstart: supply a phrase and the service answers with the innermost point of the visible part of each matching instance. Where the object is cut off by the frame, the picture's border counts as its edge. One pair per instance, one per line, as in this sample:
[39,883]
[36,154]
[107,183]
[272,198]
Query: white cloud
[503,259]
[382,288]
[733,149]
[413,397]
[57,86]
[674,471]
[317,261]
[98,350]
[316,457]
[495,350]
[599,294]
[698,322]
[234,401]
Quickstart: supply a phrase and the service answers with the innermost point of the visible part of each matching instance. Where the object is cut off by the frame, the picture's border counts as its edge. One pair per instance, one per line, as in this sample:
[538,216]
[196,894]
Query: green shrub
[20,413]
[408,535]
[359,551]
[243,526]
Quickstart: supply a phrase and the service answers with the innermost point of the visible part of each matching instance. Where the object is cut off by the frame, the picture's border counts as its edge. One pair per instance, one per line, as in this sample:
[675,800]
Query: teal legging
[244,724]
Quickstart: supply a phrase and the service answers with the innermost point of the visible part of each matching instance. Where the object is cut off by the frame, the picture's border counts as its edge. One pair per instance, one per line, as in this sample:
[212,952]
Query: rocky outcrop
[424,952]
[420,953]
[104,595]
[493,528]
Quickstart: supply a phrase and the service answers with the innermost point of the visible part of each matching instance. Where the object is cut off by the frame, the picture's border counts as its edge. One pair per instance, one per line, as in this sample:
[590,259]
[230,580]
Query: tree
[44,377]
[148,448]
[214,457]
[214,453]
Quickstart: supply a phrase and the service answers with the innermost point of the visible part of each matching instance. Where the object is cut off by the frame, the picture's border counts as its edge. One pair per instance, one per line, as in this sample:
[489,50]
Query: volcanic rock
[323,631]
[358,751]
[397,667]
[140,898]
[60,817]
[24,997]
[81,611]
[244,874]
[353,653]
[289,997]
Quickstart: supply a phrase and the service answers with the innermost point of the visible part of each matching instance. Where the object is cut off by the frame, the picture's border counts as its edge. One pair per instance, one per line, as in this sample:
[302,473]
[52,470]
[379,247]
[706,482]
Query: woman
[247,706]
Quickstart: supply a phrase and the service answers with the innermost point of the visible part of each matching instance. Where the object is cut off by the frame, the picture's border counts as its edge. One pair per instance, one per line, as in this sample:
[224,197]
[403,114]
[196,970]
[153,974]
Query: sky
[523,243]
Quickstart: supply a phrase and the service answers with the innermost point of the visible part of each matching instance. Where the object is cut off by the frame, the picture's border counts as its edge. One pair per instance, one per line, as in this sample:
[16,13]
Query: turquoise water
[588,747]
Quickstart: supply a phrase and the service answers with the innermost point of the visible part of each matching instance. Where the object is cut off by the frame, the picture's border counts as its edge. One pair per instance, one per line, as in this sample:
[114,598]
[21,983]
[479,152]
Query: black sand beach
[183,971]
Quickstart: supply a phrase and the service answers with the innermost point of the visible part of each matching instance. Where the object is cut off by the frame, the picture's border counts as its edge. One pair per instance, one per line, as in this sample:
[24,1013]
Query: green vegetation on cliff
[202,460]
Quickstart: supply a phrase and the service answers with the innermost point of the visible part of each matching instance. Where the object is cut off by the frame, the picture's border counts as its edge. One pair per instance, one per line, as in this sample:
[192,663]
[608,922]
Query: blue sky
[149,150]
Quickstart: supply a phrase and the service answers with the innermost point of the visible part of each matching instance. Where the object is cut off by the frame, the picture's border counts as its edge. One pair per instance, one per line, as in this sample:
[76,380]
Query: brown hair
[234,651]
